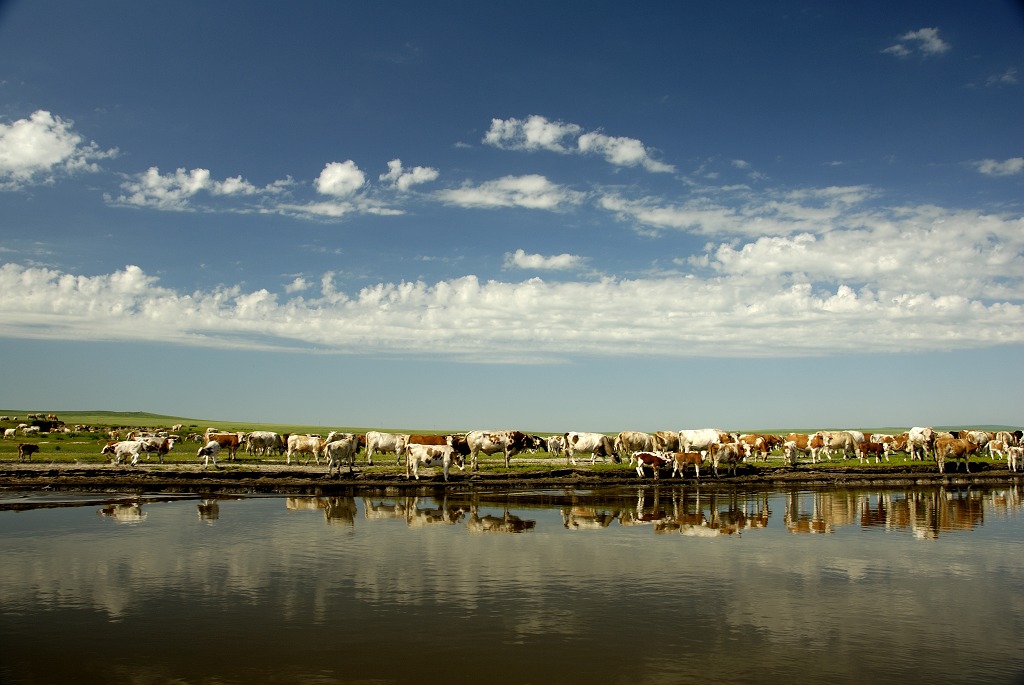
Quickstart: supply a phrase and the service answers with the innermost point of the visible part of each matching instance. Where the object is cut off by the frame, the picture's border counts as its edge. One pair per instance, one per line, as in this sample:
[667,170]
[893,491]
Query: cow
[26,450]
[954,448]
[920,438]
[700,439]
[628,442]
[508,442]
[161,446]
[730,452]
[261,442]
[227,441]
[803,444]
[681,459]
[305,444]
[342,448]
[10,433]
[384,442]
[867,449]
[555,445]
[653,459]
[417,455]
[123,450]
[422,439]
[665,441]
[979,438]
[1007,438]
[1014,457]
[209,451]
[754,445]
[996,449]
[838,440]
[598,444]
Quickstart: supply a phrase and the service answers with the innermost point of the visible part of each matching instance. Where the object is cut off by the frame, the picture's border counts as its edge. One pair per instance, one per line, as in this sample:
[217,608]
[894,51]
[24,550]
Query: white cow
[920,438]
[209,451]
[124,449]
[430,455]
[11,433]
[700,439]
[342,448]
[1014,458]
[628,442]
[261,442]
[304,444]
[598,444]
[384,442]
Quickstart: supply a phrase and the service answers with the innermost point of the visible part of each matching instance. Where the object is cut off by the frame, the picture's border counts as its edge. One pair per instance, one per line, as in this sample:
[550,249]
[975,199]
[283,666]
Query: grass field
[84,447]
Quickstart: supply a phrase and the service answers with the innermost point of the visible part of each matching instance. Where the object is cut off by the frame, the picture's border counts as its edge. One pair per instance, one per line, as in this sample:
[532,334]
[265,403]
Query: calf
[430,455]
[209,451]
[866,449]
[26,450]
[681,459]
[653,459]
[124,449]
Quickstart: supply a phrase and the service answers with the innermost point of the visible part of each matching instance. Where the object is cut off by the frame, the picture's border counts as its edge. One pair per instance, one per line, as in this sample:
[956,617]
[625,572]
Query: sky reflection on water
[637,585]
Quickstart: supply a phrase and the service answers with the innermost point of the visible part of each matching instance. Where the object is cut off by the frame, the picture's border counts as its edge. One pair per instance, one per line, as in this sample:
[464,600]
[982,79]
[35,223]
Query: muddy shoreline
[298,480]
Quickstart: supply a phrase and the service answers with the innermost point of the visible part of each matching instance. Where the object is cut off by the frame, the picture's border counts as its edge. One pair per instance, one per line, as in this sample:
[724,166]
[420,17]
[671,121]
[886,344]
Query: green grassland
[83,447]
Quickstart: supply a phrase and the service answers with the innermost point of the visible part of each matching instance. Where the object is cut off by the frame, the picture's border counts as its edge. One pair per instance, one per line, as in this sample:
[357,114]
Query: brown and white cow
[680,460]
[598,444]
[958,449]
[665,441]
[655,460]
[731,453]
[227,441]
[628,442]
[508,442]
[417,455]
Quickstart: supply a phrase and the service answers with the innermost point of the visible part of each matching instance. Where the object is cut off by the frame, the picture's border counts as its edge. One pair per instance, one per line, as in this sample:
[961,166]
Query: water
[626,585]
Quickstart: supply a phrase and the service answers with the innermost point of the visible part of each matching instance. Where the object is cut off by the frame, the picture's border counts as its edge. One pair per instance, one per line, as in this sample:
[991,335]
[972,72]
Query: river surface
[630,585]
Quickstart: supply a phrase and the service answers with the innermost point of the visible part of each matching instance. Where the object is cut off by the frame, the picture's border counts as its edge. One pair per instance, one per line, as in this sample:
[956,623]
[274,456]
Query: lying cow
[430,455]
[209,451]
[26,450]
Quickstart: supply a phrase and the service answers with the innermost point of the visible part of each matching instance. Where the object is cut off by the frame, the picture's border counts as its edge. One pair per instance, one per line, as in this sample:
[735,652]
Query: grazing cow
[26,450]
[598,444]
[700,439]
[628,442]
[838,441]
[508,442]
[1014,457]
[417,455]
[729,452]
[653,459]
[10,433]
[867,449]
[209,451]
[803,444]
[384,442]
[124,449]
[227,441]
[665,441]
[954,448]
[681,459]
[920,439]
[304,444]
[342,448]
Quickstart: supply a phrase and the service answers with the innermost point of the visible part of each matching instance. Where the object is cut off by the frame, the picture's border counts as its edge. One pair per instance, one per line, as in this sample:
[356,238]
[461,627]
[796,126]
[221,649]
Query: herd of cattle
[675,450]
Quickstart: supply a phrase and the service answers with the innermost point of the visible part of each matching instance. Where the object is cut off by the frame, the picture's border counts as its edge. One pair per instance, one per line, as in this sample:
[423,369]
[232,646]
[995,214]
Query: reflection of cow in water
[124,513]
[336,509]
[507,523]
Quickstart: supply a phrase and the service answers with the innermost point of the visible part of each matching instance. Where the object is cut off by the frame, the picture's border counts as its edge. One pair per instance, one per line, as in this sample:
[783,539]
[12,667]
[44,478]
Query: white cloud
[1007,78]
[1009,167]
[926,41]
[403,179]
[176,191]
[538,133]
[36,149]
[521,260]
[530,191]
[918,278]
[340,179]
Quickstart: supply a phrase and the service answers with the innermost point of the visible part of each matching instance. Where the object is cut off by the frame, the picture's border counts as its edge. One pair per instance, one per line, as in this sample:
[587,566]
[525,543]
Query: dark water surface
[625,585]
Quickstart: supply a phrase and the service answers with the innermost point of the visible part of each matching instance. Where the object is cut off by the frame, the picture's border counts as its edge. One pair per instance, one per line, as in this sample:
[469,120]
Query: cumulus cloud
[925,41]
[538,133]
[520,259]
[1008,167]
[177,190]
[403,179]
[918,278]
[340,179]
[39,148]
[531,191]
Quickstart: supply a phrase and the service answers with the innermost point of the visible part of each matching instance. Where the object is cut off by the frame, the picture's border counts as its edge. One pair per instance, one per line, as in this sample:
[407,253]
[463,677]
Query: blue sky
[552,216]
